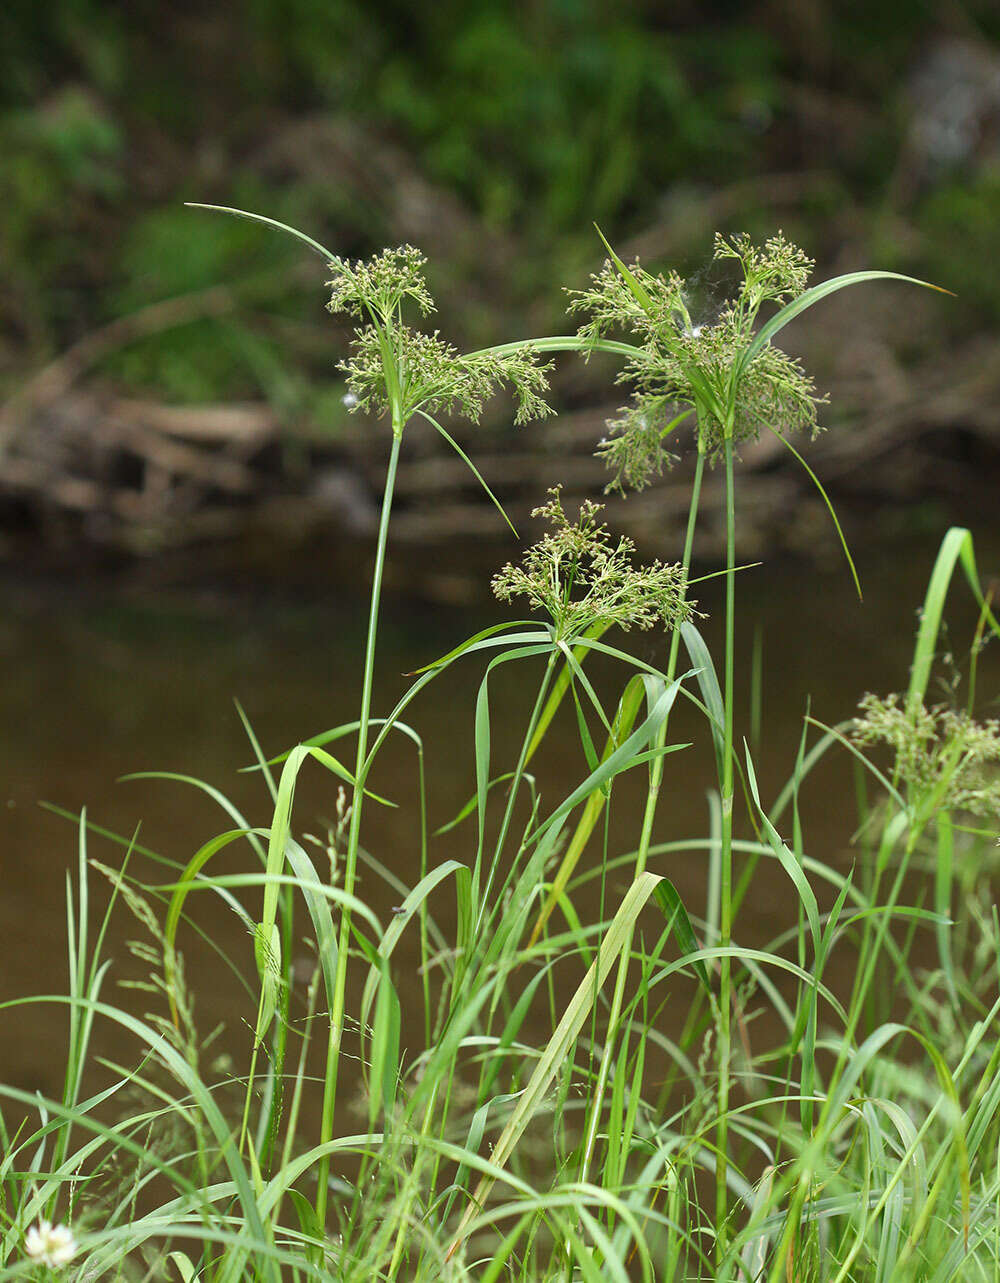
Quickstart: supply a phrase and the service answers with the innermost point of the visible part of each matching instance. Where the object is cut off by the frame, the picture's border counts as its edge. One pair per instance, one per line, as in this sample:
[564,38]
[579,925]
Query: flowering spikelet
[436,379]
[581,578]
[701,367]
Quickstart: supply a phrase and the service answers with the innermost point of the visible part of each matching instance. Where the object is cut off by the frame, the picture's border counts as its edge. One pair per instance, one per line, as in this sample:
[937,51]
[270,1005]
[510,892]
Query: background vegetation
[492,136]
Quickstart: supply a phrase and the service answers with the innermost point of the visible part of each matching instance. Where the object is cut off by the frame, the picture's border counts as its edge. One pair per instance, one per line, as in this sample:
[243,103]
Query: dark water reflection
[94,687]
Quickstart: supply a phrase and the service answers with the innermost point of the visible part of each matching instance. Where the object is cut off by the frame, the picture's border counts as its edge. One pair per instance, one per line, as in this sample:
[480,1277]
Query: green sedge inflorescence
[581,578]
[943,757]
[681,367]
[396,368]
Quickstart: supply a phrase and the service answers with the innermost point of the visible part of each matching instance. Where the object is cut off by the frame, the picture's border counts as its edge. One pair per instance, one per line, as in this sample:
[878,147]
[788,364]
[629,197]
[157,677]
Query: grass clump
[534,1116]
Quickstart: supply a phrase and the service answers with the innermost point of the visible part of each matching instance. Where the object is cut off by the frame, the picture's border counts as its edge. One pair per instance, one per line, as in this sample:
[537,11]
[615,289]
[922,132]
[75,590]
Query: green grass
[549,1098]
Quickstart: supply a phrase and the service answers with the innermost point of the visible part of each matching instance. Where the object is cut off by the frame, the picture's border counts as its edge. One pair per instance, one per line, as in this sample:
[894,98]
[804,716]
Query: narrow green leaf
[482,742]
[829,507]
[280,826]
[785,857]
[385,1051]
[267,955]
[400,920]
[561,1043]
[844,742]
[564,343]
[806,300]
[618,760]
[956,547]
[313,892]
[263,765]
[708,684]
[470,805]
[628,709]
[472,468]
[511,1029]
[943,878]
[673,910]
[215,794]
[586,740]
[635,286]
[340,770]
[176,905]
[482,758]
[675,423]
[485,639]
[269,222]
[559,689]
[184,1266]
[306,1213]
[574,665]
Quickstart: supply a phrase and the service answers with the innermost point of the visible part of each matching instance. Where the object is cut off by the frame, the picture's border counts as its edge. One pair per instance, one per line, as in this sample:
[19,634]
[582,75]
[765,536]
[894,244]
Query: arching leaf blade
[315,246]
[814,295]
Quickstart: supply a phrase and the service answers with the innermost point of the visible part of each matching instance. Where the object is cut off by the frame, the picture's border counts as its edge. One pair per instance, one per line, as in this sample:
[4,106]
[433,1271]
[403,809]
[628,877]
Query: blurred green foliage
[959,222]
[540,117]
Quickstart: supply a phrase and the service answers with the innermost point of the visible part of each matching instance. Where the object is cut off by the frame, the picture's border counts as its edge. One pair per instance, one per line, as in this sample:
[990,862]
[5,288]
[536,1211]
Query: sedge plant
[525,1124]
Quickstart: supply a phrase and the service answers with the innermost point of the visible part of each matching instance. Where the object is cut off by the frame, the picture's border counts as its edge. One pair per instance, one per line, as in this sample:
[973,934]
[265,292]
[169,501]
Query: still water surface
[97,685]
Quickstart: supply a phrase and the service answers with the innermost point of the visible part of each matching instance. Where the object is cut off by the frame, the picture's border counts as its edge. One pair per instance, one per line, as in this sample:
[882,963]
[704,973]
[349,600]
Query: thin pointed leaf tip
[698,365]
[395,366]
[580,577]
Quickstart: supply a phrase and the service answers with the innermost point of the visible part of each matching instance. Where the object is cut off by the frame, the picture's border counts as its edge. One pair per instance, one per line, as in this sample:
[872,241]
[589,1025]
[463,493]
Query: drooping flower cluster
[944,758]
[702,367]
[395,365]
[581,578]
[634,448]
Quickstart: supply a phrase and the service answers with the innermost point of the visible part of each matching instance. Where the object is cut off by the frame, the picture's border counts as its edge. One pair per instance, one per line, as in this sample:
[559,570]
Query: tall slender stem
[699,470]
[353,842]
[652,797]
[726,872]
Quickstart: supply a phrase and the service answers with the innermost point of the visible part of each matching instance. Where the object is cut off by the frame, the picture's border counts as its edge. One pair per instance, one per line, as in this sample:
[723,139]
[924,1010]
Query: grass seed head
[580,577]
[392,363]
[380,284]
[700,366]
[939,753]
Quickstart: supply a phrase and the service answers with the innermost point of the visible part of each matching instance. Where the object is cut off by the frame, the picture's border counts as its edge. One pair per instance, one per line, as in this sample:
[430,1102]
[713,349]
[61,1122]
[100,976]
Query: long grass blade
[315,246]
[814,295]
[956,547]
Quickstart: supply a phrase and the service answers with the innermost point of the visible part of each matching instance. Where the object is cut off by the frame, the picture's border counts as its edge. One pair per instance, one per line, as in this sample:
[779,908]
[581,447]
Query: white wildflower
[54,1245]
